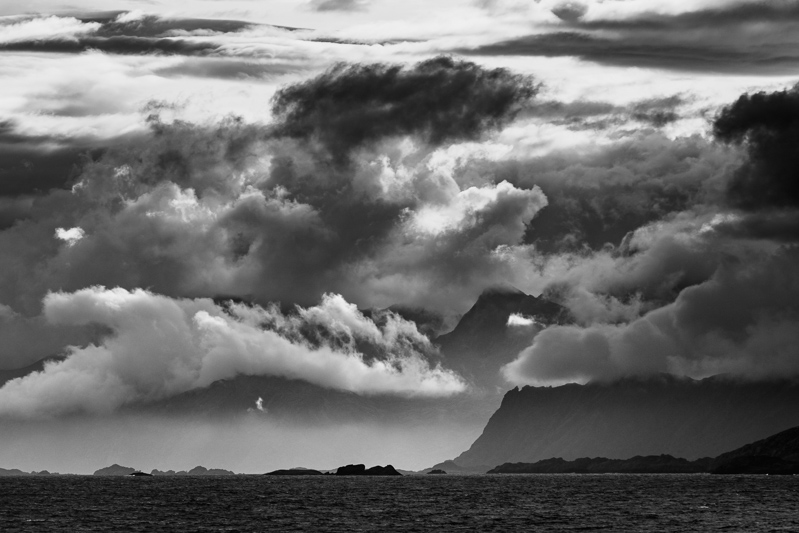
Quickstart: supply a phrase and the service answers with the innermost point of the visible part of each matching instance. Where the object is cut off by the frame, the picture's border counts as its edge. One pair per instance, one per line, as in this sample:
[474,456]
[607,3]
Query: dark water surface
[412,503]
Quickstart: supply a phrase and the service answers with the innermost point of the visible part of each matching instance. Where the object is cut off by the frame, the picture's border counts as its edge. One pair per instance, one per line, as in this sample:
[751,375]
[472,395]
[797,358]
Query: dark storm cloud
[649,51]
[767,124]
[439,100]
[248,210]
[33,165]
[114,45]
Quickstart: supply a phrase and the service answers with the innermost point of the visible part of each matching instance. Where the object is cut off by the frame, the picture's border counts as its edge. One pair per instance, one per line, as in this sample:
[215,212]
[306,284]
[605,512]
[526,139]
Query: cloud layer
[160,347]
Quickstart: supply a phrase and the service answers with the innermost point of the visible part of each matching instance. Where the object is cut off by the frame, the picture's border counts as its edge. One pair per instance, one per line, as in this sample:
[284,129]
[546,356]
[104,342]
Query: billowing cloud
[743,322]
[159,347]
[440,100]
[768,125]
[36,29]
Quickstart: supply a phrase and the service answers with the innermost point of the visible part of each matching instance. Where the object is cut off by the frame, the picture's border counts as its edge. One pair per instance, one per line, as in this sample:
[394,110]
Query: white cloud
[469,207]
[517,320]
[70,236]
[161,347]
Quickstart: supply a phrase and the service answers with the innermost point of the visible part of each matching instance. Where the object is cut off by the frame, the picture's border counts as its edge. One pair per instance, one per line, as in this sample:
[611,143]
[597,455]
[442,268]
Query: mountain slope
[783,445]
[660,415]
[482,342]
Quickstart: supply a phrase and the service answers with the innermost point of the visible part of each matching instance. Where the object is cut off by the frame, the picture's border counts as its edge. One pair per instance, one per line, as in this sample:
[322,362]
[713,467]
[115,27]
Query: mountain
[778,454]
[115,470]
[635,416]
[483,342]
[651,464]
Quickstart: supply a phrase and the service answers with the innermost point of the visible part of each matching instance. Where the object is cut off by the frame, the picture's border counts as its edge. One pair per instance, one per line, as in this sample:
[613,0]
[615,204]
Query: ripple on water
[411,503]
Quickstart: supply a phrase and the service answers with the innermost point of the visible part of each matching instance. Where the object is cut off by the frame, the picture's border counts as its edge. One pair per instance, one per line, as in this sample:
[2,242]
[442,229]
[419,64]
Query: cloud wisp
[738,37]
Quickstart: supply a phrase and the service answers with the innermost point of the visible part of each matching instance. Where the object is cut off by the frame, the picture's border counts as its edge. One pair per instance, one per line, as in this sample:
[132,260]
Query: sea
[537,502]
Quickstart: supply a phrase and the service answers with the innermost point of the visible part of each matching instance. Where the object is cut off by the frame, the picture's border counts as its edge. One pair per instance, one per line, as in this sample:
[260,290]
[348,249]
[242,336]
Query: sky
[197,191]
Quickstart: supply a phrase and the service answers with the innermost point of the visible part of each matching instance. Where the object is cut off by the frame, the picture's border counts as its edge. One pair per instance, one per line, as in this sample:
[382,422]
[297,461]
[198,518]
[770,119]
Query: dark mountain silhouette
[478,346]
[482,342]
[778,454]
[13,472]
[202,471]
[634,416]
[361,470]
[115,470]
[18,472]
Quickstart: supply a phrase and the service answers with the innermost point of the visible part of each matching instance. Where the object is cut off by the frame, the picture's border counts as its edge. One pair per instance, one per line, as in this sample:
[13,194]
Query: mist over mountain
[501,323]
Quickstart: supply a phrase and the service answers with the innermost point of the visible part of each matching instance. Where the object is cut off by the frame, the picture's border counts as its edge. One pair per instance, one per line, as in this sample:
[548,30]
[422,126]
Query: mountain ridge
[670,415]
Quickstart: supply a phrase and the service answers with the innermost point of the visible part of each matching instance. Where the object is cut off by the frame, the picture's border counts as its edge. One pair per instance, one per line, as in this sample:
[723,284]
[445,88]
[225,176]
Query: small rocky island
[295,472]
[361,470]
[437,471]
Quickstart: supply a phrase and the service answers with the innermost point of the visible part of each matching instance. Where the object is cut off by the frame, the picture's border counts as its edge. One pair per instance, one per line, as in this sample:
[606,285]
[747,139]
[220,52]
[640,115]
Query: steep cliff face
[653,416]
